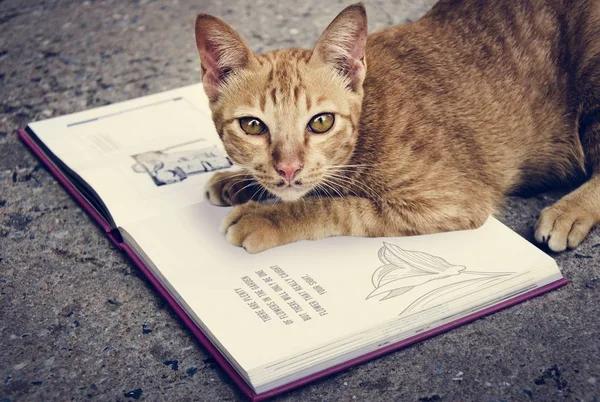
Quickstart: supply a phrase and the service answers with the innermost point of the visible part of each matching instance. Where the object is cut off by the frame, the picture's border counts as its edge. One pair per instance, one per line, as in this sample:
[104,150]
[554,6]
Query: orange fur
[435,122]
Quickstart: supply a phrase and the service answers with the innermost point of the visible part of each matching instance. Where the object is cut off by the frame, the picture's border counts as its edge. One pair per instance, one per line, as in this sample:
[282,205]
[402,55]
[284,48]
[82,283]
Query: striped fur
[436,122]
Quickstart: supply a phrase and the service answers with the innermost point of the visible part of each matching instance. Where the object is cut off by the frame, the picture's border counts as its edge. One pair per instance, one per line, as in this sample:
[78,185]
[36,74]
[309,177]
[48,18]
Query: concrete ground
[78,322]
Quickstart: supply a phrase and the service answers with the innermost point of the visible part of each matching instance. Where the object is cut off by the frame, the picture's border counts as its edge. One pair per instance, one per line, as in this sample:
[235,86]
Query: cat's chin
[290,193]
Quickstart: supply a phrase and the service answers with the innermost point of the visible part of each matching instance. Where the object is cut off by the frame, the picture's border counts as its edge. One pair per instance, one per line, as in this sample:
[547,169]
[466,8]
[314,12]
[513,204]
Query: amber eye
[321,123]
[252,126]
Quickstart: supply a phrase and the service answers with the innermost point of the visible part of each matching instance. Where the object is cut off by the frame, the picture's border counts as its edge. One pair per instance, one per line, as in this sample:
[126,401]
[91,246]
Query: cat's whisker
[360,166]
[345,171]
[243,188]
[349,166]
[264,193]
[245,180]
[319,187]
[346,168]
[259,191]
[349,172]
[230,177]
[303,200]
[332,187]
[360,185]
[332,184]
[258,198]
[325,191]
[342,175]
[329,180]
[348,186]
[355,164]
[250,201]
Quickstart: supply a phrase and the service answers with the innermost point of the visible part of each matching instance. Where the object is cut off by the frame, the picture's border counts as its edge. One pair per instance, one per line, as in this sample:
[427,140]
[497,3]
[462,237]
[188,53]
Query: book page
[332,294]
[142,156]
[303,305]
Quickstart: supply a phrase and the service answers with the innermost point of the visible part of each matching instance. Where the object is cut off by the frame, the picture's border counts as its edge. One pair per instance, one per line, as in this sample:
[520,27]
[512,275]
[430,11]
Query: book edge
[187,321]
[415,339]
[62,179]
[203,340]
[93,113]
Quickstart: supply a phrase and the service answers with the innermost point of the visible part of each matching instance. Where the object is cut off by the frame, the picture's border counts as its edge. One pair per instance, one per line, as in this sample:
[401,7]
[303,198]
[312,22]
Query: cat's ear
[222,52]
[343,43]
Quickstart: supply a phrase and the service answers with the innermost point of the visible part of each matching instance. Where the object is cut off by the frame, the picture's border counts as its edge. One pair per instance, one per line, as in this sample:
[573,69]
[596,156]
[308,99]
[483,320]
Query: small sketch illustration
[405,270]
[176,163]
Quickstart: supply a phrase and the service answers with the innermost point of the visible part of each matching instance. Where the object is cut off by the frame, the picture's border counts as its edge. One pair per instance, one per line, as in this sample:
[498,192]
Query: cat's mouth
[289,191]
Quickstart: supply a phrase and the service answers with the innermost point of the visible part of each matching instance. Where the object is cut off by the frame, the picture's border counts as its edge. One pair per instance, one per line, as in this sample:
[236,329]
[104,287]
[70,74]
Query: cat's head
[290,117]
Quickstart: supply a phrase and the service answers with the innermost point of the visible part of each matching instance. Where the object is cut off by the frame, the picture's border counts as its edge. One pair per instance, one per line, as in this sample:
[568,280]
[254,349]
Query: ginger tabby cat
[415,129]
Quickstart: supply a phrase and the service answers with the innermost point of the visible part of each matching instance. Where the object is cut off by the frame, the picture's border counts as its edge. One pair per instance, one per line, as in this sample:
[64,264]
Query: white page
[147,158]
[219,282]
[141,156]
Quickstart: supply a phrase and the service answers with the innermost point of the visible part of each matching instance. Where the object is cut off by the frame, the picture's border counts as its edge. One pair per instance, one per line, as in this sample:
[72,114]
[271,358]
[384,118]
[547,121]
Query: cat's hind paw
[563,225]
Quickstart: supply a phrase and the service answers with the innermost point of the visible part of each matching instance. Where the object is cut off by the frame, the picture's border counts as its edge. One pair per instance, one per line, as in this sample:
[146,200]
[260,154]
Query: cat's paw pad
[564,224]
[247,227]
[229,188]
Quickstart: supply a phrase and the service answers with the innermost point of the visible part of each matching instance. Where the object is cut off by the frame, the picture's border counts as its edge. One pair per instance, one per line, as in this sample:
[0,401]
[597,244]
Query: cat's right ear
[342,45]
[222,52]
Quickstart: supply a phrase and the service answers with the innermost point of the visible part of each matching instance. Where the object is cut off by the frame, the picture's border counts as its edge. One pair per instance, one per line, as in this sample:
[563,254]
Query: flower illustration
[404,269]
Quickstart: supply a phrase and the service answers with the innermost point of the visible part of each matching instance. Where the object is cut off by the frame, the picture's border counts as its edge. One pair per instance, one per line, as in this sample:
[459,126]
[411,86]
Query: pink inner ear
[357,52]
[211,85]
[342,45]
[355,67]
[352,64]
[210,71]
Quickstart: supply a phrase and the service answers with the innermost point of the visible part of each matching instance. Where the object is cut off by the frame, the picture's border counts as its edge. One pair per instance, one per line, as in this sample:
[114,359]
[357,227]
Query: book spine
[115,236]
[55,171]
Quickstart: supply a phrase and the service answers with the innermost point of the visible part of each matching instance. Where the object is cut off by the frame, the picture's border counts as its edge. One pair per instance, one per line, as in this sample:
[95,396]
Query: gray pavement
[78,321]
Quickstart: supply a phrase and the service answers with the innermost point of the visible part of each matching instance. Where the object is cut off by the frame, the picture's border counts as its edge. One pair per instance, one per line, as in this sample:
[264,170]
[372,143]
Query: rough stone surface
[78,322]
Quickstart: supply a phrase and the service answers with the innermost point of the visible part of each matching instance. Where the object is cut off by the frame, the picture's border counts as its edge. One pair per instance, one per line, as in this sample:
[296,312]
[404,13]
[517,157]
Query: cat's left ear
[222,52]
[343,43]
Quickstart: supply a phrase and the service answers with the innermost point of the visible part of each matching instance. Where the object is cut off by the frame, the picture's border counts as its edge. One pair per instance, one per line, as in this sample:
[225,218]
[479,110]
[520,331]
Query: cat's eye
[252,126]
[321,123]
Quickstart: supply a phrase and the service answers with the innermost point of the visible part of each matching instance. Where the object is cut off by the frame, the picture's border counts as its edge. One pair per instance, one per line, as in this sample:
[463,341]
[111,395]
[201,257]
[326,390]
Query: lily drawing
[403,270]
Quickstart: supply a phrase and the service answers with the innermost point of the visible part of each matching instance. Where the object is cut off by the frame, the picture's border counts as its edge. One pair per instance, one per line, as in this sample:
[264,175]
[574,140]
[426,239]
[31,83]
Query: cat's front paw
[230,188]
[253,227]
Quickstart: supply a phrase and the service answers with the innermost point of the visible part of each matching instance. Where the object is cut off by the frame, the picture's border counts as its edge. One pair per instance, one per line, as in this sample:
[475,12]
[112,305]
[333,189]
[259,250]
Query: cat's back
[460,41]
[493,76]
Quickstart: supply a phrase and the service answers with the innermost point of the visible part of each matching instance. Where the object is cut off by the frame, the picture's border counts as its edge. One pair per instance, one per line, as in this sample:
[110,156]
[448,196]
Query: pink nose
[288,171]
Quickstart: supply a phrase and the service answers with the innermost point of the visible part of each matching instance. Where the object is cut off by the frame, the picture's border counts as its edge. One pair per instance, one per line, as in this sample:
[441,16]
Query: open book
[289,315]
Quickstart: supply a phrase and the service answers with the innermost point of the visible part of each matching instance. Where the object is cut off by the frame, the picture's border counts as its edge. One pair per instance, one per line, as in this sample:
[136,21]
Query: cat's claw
[563,225]
[250,227]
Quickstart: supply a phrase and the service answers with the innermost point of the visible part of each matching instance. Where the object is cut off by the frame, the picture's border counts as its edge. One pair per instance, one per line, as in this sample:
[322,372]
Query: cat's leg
[566,223]
[228,188]
[257,227]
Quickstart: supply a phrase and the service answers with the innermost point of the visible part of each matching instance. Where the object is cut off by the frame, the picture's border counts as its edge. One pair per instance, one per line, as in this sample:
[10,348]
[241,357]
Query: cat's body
[476,100]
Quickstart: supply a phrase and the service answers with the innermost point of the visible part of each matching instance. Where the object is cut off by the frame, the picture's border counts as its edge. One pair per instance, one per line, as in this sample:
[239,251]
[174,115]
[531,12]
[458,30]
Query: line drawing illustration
[178,162]
[405,270]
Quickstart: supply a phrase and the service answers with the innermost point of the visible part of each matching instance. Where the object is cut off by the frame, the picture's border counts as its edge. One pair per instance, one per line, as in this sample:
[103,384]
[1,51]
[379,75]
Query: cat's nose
[288,171]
